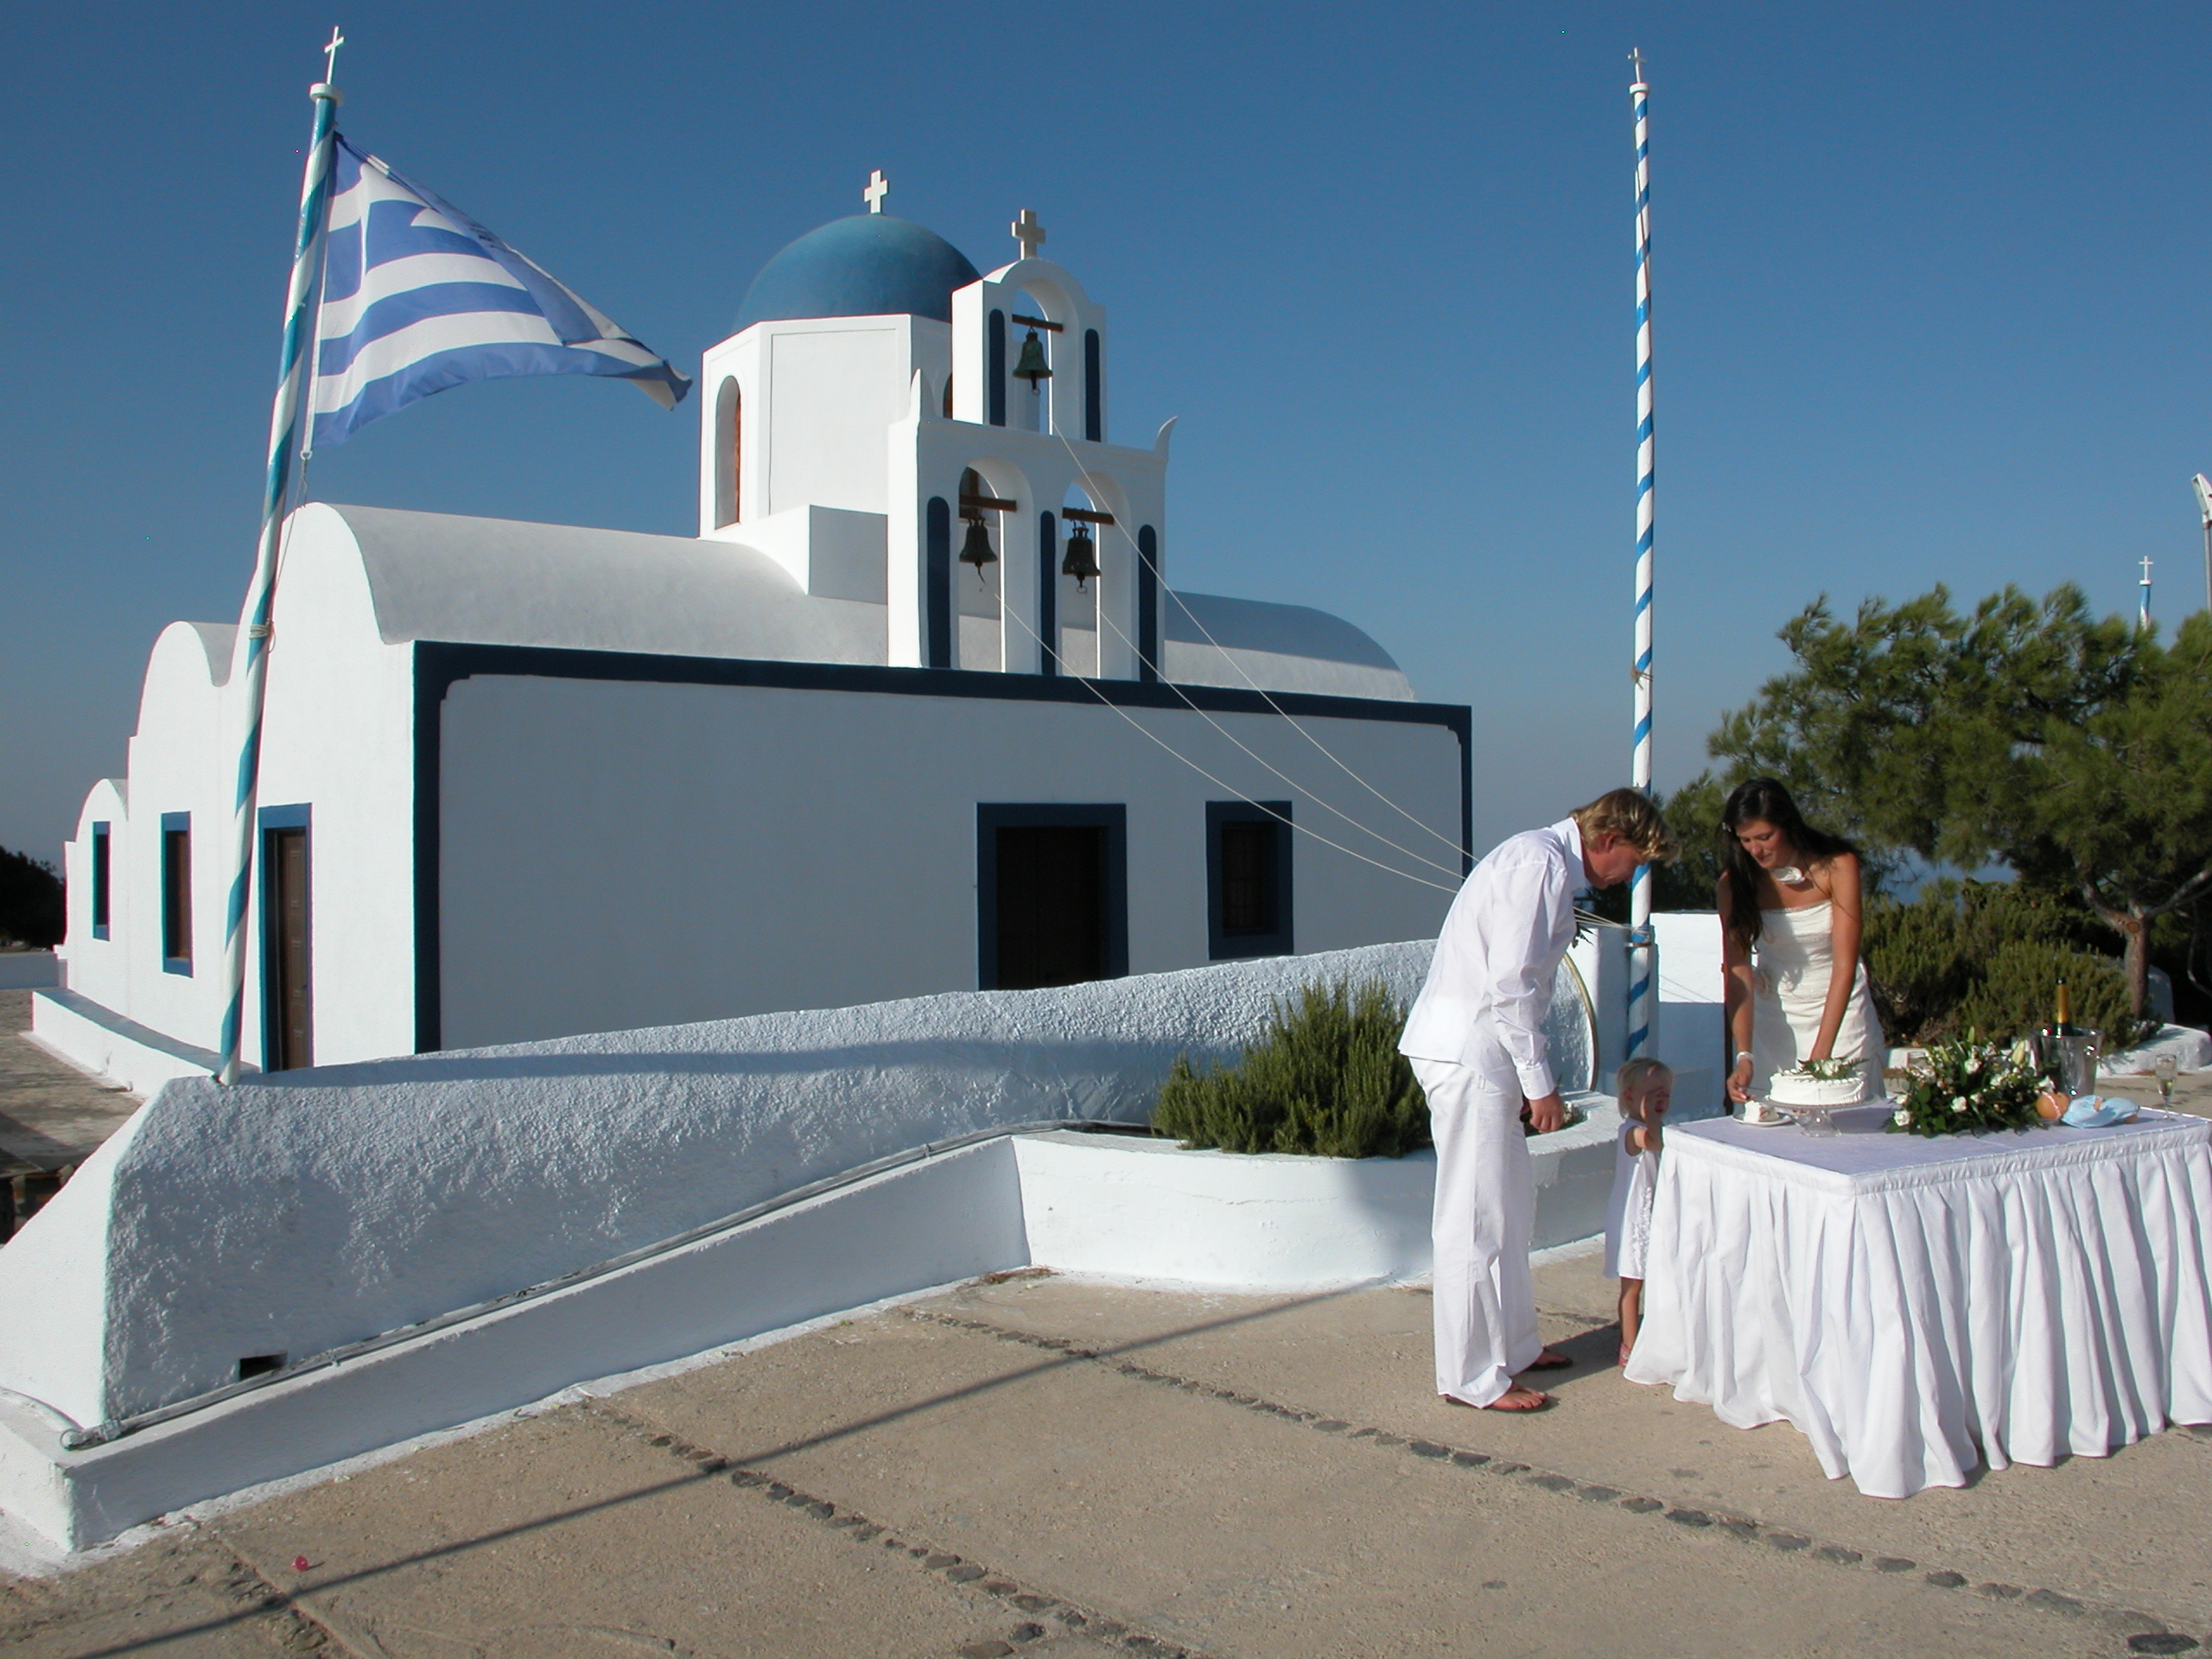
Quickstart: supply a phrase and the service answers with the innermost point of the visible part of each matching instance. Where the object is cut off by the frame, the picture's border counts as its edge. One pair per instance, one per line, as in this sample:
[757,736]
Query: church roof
[868,265]
[501,582]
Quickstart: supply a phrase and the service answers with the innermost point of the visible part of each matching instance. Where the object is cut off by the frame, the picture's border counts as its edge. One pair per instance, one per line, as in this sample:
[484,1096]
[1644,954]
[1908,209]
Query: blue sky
[1930,306]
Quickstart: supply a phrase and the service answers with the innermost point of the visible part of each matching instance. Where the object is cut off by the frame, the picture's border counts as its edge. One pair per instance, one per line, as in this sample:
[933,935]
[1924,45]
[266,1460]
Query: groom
[1475,1040]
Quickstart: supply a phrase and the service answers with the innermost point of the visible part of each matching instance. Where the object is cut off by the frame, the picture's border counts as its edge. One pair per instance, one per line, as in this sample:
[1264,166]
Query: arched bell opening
[1087,530]
[994,548]
[730,452]
[1036,356]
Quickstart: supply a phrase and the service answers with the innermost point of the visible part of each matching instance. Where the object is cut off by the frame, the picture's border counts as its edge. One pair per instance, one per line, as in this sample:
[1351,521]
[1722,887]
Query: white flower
[1901,1117]
[1958,1103]
[1974,1066]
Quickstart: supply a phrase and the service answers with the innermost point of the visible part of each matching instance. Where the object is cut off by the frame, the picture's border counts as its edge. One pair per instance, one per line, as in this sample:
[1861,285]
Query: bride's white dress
[1791,968]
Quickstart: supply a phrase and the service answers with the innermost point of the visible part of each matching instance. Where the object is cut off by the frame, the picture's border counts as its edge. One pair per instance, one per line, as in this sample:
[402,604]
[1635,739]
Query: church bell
[1081,560]
[977,549]
[1032,366]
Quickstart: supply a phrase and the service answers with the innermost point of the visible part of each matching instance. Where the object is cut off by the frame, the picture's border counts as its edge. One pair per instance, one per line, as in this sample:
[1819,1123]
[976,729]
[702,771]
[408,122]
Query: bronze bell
[1032,366]
[1081,560]
[976,550]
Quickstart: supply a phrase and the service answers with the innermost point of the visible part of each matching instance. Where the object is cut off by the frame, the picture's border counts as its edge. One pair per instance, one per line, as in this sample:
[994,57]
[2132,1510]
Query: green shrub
[1326,1079]
[2013,995]
[1988,957]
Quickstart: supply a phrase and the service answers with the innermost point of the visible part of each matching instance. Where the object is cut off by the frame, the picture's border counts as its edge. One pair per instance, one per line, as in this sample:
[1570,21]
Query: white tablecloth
[1918,1307]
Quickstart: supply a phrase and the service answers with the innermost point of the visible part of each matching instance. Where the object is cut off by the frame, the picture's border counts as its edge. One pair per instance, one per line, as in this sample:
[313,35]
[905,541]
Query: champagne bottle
[2065,1010]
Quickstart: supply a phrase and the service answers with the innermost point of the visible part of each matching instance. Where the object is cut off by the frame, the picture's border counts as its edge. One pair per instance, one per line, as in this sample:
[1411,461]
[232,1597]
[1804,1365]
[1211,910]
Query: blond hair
[1632,815]
[1640,1074]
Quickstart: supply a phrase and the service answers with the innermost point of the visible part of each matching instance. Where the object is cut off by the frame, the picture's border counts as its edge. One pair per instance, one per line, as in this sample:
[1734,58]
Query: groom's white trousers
[1485,1309]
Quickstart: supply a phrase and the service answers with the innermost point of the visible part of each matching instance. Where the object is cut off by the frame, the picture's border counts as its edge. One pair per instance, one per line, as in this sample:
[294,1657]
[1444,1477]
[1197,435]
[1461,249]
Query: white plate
[1766,1122]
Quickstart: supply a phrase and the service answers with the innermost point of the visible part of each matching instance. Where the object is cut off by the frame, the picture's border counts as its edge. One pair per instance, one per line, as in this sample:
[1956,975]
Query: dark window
[1052,905]
[1248,879]
[936,585]
[176,892]
[1094,418]
[100,866]
[996,354]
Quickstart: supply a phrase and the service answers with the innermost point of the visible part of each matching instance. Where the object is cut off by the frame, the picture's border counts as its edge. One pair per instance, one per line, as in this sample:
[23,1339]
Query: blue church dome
[870,264]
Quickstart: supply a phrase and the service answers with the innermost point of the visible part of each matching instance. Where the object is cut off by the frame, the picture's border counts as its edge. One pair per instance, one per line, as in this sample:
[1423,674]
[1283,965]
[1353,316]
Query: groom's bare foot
[1517,1398]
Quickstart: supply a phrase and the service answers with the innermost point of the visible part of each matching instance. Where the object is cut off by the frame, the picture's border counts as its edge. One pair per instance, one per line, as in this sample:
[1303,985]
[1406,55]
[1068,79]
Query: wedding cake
[1802,1088]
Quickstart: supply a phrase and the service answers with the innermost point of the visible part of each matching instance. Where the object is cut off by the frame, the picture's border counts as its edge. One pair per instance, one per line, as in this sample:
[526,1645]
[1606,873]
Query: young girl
[1646,1089]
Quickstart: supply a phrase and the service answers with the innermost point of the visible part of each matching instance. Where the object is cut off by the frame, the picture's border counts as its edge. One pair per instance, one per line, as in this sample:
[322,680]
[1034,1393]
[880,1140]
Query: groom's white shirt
[1490,983]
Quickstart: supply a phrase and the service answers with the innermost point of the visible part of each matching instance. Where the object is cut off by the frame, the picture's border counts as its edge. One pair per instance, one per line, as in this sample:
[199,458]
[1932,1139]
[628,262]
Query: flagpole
[1644,954]
[284,423]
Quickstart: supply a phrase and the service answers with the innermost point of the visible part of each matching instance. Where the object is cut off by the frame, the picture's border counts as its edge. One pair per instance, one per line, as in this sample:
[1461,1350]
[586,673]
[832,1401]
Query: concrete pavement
[1038,1465]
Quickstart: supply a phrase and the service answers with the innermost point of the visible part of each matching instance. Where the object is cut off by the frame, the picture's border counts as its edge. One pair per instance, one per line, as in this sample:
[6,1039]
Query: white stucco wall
[712,851]
[300,1211]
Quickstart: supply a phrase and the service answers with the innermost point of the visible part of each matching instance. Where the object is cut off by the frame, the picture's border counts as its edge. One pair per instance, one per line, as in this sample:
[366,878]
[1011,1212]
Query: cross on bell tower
[1028,233]
[877,189]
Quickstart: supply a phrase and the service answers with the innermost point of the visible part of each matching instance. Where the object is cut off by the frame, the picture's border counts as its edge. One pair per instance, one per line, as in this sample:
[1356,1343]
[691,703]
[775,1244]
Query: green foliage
[1694,814]
[30,900]
[1325,1078]
[2076,750]
[1963,1085]
[1988,956]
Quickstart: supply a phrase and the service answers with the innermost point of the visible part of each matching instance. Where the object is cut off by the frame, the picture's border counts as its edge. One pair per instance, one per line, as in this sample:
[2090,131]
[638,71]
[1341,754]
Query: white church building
[916,710]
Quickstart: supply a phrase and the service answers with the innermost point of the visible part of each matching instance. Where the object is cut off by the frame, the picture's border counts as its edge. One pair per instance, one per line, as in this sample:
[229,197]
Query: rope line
[1304,830]
[1426,828]
[1297,787]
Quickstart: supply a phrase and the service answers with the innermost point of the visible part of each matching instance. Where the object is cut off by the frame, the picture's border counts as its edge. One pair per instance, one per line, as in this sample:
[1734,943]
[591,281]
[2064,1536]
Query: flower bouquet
[1962,1085]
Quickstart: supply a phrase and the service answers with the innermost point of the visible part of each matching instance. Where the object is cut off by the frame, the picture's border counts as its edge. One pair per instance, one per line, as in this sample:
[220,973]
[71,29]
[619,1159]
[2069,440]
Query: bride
[1790,912]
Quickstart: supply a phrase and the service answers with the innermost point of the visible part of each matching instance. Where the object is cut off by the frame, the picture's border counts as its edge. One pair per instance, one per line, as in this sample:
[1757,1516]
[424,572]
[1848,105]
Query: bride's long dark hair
[1764,798]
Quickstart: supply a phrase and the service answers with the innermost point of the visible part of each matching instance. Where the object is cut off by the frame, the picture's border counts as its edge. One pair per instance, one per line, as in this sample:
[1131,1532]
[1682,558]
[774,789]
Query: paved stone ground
[50,1114]
[1039,1464]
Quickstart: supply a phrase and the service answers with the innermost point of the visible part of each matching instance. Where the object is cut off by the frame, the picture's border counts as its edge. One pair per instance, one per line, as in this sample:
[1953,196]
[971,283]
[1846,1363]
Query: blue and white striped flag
[418,296]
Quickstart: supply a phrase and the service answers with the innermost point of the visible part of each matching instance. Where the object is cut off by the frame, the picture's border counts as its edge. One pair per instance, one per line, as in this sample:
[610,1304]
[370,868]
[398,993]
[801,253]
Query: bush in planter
[1326,1079]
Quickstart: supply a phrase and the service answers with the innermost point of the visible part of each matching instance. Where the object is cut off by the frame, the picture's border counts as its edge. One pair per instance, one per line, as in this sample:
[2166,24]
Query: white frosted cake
[1803,1089]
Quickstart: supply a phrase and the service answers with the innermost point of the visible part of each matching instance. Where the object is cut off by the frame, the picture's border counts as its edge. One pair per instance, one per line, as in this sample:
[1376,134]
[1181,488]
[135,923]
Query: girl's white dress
[1791,969]
[1628,1221]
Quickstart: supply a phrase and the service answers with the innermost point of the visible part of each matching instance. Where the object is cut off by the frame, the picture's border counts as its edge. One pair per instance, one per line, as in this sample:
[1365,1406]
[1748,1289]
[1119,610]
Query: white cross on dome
[877,189]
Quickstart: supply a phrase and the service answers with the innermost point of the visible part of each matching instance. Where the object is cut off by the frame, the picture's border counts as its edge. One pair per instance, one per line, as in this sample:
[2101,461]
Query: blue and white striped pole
[284,428]
[1644,953]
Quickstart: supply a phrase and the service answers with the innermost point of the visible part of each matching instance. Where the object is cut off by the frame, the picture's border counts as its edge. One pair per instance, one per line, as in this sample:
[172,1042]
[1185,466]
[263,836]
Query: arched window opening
[729,452]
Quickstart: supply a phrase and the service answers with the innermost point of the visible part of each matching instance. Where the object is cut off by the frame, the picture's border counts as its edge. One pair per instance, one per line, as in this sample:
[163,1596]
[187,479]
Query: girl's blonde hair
[1640,1073]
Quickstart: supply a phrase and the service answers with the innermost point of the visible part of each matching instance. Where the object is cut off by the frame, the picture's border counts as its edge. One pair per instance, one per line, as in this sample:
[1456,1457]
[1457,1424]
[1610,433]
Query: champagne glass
[2165,1071]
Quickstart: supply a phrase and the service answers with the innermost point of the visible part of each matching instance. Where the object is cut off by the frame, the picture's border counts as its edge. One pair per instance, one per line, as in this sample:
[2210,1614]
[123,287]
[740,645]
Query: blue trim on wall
[1048,594]
[1221,945]
[296,816]
[1148,604]
[996,374]
[103,877]
[176,823]
[936,585]
[1112,816]
[439,664]
[1094,391]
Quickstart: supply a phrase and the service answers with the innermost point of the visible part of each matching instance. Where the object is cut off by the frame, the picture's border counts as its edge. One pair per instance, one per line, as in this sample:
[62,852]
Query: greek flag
[418,296]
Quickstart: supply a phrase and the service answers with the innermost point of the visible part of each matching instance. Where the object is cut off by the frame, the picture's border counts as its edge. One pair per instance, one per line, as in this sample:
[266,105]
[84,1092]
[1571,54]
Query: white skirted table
[1919,1307]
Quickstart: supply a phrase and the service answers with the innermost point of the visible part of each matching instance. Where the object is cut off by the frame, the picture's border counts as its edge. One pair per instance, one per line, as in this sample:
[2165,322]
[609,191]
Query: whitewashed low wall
[74,1029]
[1100,1204]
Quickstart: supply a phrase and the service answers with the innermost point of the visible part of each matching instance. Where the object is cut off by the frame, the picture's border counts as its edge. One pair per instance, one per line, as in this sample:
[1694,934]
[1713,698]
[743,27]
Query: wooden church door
[286,989]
